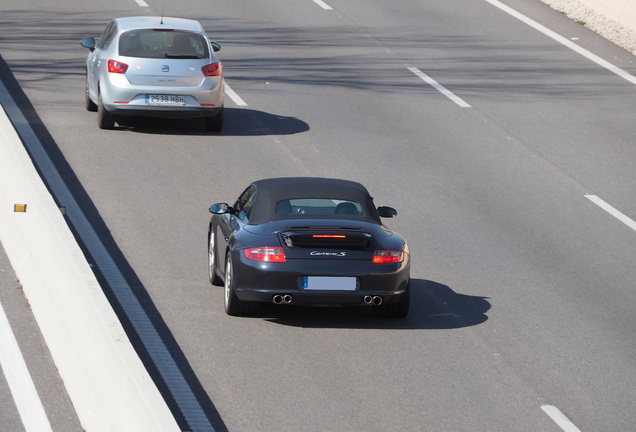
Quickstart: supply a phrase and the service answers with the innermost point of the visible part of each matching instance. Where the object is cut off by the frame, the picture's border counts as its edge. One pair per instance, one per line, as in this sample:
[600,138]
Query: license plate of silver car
[165,100]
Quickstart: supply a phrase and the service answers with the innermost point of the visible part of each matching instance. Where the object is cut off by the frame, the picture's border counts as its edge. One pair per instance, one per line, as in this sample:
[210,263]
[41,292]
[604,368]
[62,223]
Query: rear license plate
[165,100]
[329,283]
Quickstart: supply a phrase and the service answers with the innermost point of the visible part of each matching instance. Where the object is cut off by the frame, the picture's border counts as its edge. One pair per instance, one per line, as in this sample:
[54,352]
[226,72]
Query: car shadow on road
[434,306]
[237,122]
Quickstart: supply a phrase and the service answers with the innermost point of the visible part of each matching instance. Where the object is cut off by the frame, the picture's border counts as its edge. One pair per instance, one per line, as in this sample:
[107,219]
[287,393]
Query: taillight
[115,66]
[213,69]
[265,254]
[386,256]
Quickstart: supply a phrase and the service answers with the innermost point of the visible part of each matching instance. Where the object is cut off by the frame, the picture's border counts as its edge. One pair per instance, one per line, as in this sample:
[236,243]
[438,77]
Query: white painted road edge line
[323,5]
[20,383]
[141,3]
[611,210]
[440,88]
[559,418]
[234,96]
[568,43]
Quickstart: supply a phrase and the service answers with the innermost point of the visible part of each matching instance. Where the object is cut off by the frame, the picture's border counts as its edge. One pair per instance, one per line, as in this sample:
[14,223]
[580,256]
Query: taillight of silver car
[213,69]
[115,66]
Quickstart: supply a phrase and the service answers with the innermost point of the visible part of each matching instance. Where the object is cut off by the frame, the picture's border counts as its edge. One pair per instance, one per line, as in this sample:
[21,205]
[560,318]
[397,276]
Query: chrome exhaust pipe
[368,299]
[377,300]
[279,299]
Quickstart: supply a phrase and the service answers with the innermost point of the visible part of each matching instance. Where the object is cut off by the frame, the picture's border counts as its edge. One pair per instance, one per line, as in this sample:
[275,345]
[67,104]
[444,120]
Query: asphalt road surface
[493,140]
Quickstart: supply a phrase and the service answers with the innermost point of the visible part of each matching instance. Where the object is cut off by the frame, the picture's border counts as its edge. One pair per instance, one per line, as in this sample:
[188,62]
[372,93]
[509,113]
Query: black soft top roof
[271,191]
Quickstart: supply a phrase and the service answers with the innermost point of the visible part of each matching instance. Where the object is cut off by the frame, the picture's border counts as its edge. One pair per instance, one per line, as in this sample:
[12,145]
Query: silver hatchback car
[156,67]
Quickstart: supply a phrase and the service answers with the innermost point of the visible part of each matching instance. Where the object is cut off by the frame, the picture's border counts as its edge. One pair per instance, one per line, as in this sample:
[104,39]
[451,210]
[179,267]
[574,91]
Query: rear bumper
[119,97]
[327,298]
[164,112]
[261,282]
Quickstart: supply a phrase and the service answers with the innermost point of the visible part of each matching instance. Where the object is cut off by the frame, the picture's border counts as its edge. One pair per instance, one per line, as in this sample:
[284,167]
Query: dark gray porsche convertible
[311,241]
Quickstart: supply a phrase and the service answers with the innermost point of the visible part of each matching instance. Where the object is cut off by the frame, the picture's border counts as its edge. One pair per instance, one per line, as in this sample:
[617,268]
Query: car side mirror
[387,212]
[220,208]
[215,46]
[88,43]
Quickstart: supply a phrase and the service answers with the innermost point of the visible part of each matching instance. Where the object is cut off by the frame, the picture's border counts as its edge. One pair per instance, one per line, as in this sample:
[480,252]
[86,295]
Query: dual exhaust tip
[287,299]
[375,300]
[280,299]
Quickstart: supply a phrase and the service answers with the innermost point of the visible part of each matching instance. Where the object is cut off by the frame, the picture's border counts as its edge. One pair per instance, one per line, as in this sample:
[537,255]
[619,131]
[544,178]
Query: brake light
[385,256]
[115,66]
[213,69]
[265,254]
[329,236]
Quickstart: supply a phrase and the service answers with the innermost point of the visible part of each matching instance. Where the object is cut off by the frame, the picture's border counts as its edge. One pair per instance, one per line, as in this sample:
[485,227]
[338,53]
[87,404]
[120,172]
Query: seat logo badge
[165,68]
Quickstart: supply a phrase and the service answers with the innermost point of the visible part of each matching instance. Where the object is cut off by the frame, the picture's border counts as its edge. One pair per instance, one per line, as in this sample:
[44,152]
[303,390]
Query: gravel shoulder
[611,30]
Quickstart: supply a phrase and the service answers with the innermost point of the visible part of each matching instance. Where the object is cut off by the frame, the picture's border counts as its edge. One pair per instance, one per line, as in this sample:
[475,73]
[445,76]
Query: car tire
[90,105]
[214,124]
[105,120]
[214,278]
[233,305]
[399,309]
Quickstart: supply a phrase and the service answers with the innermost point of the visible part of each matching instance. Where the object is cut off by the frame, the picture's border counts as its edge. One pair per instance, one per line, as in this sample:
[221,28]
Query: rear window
[312,207]
[163,44]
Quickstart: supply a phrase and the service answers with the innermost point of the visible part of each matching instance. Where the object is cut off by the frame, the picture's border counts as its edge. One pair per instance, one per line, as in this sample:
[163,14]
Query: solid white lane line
[323,5]
[234,96]
[440,88]
[20,383]
[568,43]
[611,210]
[559,418]
[141,3]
